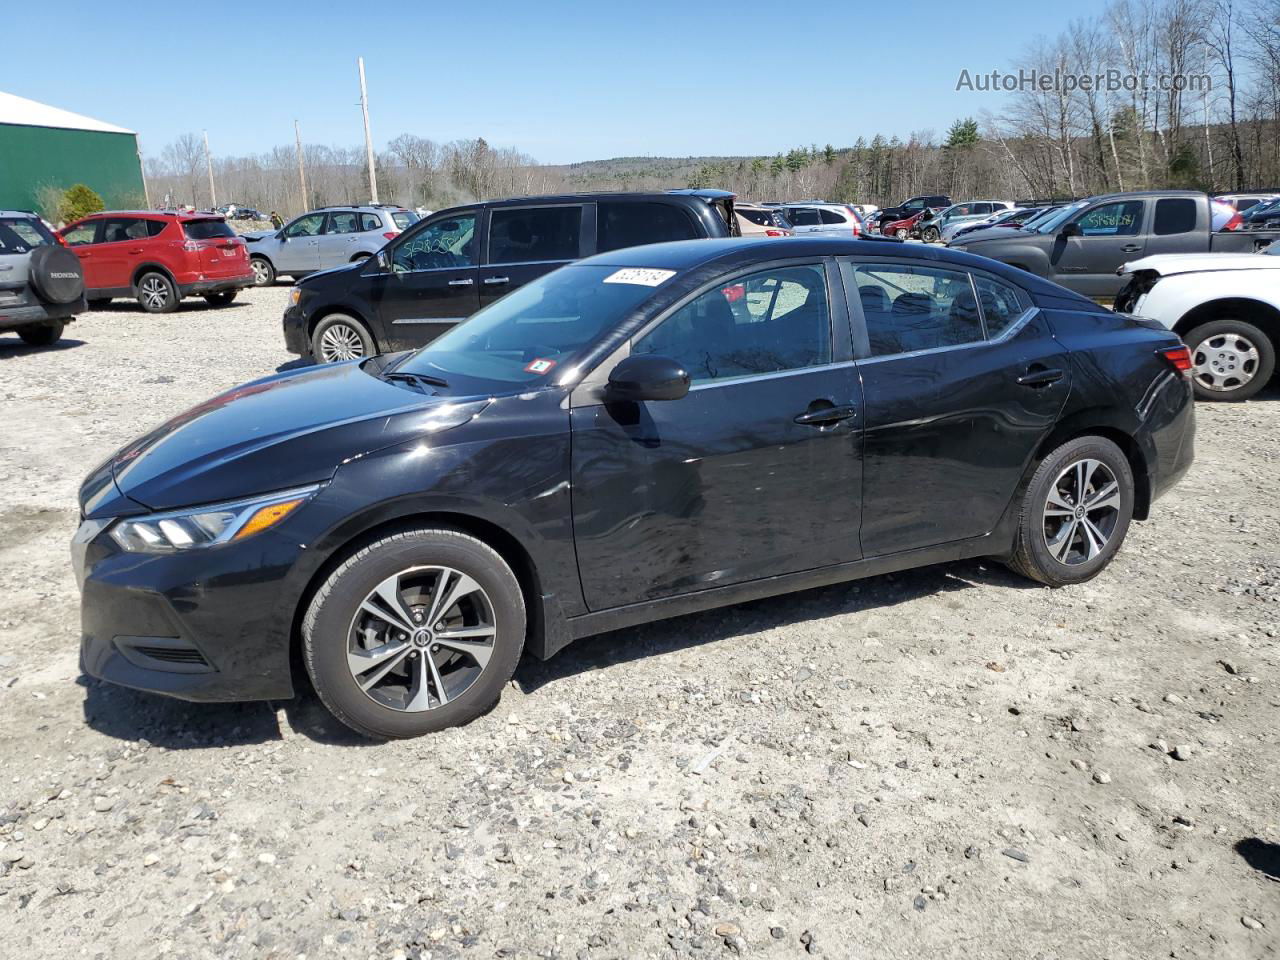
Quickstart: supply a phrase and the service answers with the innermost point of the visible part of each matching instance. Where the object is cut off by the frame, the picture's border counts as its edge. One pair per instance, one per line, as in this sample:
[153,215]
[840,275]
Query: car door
[526,241]
[430,285]
[963,380]
[299,250]
[82,239]
[121,247]
[1107,234]
[756,472]
[337,241]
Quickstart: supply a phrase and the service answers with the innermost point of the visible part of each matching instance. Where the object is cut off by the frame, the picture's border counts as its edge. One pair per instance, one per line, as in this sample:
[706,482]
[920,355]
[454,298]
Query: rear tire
[1066,536]
[42,335]
[397,581]
[220,299]
[264,274]
[1231,360]
[156,293]
[339,337]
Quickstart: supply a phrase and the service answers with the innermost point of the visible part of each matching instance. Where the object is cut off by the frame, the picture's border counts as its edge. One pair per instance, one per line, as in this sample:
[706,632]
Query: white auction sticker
[639,275]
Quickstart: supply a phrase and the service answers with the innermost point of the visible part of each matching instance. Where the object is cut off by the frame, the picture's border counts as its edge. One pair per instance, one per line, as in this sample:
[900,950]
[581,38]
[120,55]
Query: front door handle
[461,283]
[1038,376]
[1131,248]
[820,416]
[495,280]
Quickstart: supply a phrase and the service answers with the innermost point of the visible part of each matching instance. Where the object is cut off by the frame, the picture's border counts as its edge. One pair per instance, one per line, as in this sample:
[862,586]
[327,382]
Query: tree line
[1215,128]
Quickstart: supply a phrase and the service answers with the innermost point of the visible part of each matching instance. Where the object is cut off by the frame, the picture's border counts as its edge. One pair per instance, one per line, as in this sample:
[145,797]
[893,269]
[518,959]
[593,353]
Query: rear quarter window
[207,229]
[403,219]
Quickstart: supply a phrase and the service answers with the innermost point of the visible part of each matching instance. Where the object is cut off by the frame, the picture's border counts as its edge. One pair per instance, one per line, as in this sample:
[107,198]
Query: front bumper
[211,624]
[294,323]
[200,287]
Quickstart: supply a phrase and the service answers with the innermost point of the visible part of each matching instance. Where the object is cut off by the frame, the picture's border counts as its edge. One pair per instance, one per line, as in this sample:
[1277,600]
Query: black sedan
[641,434]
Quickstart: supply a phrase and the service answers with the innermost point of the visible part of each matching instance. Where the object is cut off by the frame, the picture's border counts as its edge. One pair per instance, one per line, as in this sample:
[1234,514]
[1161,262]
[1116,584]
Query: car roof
[20,213]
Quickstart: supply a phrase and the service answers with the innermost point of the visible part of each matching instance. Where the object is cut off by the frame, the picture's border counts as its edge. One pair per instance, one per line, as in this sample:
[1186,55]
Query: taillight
[192,246]
[1179,358]
[770,232]
[857,224]
[391,234]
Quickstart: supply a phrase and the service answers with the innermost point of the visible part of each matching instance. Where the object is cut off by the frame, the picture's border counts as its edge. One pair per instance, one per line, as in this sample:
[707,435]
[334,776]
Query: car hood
[996,233]
[283,431]
[252,236]
[1168,264]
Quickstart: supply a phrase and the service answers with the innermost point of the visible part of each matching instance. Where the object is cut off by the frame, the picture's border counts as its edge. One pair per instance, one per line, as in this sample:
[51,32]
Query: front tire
[42,335]
[416,632]
[1231,360]
[156,293]
[340,337]
[220,299]
[930,235]
[264,274]
[1075,513]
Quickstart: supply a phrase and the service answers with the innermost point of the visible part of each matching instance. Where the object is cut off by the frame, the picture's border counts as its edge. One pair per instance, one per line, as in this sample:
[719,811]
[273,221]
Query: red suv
[159,258]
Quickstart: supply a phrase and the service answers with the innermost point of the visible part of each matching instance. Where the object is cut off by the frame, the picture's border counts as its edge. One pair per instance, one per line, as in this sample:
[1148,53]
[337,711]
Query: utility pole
[302,171]
[368,138]
[208,162]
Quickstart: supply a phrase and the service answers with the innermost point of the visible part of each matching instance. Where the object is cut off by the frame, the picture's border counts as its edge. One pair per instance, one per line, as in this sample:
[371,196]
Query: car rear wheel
[42,335]
[1231,360]
[221,298]
[1075,513]
[340,337]
[264,275]
[417,632]
[903,233]
[156,293]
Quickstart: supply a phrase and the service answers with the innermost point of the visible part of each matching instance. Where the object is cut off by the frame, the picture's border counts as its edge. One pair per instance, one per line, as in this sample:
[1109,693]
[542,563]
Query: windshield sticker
[540,366]
[640,276]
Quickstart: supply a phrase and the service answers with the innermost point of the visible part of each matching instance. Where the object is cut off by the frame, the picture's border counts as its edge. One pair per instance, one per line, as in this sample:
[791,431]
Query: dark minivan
[456,261]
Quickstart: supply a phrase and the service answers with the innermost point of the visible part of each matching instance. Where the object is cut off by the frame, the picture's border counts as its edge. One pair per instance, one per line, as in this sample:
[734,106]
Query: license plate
[230,251]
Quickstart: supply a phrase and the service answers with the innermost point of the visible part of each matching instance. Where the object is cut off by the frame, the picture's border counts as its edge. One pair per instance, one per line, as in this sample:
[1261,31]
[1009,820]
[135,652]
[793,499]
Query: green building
[42,145]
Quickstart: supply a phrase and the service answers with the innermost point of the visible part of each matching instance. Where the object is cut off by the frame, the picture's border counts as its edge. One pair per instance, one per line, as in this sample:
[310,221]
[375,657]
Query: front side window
[81,235]
[909,308]
[767,322]
[444,243]
[803,216]
[1119,219]
[307,226]
[914,204]
[347,221]
[624,224]
[532,234]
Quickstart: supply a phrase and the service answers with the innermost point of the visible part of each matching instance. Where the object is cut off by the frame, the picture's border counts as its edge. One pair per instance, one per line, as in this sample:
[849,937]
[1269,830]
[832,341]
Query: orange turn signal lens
[268,517]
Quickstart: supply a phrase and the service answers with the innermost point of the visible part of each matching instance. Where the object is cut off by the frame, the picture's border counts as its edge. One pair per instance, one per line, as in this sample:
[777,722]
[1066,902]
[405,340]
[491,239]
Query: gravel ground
[949,762]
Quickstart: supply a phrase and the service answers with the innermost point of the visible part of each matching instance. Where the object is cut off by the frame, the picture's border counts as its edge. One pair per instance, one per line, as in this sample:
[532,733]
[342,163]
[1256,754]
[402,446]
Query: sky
[560,81]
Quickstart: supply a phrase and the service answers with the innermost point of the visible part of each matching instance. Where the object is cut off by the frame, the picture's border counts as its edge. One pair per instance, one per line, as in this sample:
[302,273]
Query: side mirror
[646,377]
[1070,230]
[383,262]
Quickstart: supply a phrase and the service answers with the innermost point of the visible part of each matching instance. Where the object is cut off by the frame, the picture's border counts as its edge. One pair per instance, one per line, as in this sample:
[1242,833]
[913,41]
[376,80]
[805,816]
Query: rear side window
[156,227]
[634,224]
[207,229]
[910,308]
[1175,215]
[531,234]
[803,216]
[21,235]
[122,229]
[831,216]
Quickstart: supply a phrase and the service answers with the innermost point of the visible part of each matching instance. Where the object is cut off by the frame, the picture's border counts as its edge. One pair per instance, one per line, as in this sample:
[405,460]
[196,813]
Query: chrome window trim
[404,273]
[775,375]
[531,263]
[406,321]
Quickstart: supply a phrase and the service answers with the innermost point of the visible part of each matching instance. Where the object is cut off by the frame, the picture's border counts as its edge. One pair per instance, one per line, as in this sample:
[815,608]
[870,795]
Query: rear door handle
[495,280]
[821,416]
[461,283]
[1038,376]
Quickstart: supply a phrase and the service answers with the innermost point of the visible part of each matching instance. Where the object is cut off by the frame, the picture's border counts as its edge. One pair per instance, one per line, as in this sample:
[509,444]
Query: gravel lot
[949,762]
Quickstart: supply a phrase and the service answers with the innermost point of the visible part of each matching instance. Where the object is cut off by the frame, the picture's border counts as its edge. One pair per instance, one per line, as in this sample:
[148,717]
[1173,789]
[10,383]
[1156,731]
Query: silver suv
[818,216]
[324,238]
[41,281]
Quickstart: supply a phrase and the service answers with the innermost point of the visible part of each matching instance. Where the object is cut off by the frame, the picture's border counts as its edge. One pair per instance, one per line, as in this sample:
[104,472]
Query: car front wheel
[1231,360]
[264,275]
[1075,513]
[340,337]
[416,632]
[930,235]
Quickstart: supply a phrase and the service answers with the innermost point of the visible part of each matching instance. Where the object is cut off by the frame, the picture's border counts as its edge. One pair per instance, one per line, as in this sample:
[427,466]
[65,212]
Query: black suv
[909,208]
[41,281]
[442,270]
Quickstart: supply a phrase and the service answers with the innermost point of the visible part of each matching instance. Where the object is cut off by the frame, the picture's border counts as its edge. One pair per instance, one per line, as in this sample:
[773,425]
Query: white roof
[1167,264]
[27,113]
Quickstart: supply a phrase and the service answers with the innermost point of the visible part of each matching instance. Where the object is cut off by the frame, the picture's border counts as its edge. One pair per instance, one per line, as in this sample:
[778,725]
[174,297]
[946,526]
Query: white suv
[325,238]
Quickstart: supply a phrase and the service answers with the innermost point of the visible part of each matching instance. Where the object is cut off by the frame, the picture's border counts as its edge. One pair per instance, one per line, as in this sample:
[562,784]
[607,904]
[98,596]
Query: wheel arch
[330,310]
[1263,315]
[1099,423]
[546,631]
[145,268]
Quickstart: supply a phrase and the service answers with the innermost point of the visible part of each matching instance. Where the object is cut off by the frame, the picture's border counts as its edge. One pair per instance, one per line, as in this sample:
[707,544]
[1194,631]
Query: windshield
[1051,223]
[22,235]
[1267,206]
[537,330]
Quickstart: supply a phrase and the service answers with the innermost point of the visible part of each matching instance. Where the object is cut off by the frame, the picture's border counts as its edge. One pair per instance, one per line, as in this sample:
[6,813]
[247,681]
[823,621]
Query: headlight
[199,527]
[295,294]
